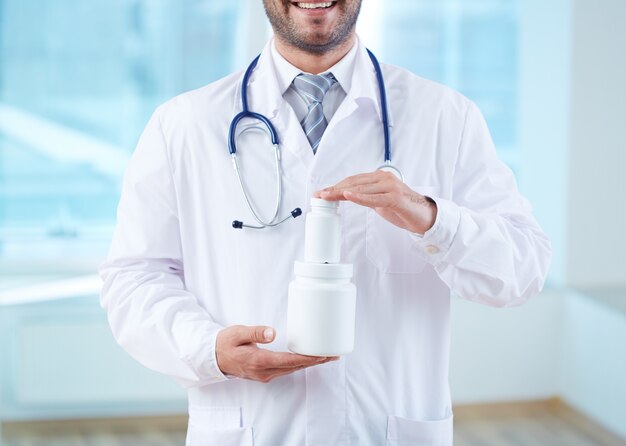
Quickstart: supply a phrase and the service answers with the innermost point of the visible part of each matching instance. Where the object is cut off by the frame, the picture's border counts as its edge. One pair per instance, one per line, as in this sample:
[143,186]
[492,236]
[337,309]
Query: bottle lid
[319,202]
[323,270]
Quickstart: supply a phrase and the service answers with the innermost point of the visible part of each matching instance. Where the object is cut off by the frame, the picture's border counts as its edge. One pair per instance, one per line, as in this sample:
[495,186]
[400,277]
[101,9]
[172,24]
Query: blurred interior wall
[596,254]
[544,88]
[572,120]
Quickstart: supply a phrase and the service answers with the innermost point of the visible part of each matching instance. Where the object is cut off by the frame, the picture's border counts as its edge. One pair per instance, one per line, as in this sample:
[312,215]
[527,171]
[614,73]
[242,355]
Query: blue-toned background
[78,81]
[80,78]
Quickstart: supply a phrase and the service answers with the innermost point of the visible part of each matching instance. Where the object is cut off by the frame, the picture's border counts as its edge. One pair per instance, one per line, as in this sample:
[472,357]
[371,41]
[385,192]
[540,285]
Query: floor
[547,423]
[544,423]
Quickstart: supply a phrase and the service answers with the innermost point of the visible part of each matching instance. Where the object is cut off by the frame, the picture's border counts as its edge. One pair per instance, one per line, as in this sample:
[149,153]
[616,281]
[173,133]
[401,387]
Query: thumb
[255,335]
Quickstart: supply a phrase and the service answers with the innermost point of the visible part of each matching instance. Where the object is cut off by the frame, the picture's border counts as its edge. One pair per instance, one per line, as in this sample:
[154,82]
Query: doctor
[191,297]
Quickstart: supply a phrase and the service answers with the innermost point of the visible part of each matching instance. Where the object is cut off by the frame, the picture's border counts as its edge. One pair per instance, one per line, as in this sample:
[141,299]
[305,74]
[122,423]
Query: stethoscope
[271,131]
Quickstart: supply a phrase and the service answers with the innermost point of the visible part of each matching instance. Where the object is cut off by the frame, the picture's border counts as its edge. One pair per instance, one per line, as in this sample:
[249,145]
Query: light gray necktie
[313,88]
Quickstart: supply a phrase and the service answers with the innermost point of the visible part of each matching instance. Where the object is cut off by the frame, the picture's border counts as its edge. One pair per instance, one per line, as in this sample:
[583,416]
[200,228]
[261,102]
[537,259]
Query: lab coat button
[431,249]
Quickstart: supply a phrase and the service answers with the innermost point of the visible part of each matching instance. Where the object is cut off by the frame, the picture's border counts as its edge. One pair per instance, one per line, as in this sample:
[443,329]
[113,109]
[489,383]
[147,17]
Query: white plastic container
[321,313]
[322,239]
[322,299]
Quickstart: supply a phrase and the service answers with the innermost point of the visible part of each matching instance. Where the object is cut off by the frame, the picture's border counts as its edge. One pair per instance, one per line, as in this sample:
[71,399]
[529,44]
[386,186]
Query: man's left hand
[388,196]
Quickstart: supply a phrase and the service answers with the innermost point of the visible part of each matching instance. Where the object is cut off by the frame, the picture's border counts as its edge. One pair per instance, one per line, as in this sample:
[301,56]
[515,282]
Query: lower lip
[316,11]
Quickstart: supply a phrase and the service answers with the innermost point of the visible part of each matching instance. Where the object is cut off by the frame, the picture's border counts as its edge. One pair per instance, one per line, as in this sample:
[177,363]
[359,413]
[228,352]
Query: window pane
[468,45]
[78,81]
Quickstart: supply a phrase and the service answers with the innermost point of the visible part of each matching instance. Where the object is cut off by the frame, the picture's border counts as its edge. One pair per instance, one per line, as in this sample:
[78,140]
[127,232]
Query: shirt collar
[342,70]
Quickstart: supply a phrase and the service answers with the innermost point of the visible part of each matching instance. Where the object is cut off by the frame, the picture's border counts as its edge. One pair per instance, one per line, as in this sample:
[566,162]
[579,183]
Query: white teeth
[315,5]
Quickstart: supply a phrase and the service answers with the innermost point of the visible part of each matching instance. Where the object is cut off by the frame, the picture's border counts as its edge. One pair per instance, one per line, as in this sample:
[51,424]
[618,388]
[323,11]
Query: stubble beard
[312,42]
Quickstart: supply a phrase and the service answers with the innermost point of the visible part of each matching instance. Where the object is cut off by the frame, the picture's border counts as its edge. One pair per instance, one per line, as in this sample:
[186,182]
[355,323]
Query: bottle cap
[318,202]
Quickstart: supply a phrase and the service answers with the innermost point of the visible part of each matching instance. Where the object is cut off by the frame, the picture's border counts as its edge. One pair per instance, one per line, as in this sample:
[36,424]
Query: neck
[313,63]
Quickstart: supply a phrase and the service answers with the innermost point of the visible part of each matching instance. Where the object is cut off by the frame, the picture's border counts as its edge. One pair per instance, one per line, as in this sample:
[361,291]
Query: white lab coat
[177,272]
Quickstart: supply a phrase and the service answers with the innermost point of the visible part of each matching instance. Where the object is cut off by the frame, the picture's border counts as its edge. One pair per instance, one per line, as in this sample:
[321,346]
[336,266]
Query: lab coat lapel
[263,93]
[364,91]
[264,97]
[353,141]
[293,138]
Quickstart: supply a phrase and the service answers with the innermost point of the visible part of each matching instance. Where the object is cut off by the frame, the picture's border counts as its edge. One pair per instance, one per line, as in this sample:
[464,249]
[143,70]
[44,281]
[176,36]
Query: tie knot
[314,86]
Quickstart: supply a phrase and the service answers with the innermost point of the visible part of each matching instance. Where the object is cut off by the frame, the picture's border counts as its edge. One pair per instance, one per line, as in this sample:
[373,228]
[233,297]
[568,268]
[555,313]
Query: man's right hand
[238,355]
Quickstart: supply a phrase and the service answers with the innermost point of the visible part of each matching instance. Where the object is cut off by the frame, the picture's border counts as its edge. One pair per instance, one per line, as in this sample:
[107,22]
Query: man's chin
[317,40]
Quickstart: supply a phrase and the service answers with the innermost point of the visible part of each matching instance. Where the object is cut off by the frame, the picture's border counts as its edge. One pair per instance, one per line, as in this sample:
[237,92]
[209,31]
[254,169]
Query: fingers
[267,375]
[242,334]
[284,360]
[237,354]
[368,188]
[388,196]
[366,183]
[374,200]
[335,192]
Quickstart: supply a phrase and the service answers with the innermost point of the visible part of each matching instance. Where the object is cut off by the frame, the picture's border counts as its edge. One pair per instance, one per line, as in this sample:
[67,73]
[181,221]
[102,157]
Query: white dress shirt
[286,72]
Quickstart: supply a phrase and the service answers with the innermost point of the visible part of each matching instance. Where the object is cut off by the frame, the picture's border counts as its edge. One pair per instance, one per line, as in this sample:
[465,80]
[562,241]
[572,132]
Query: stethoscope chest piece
[392,169]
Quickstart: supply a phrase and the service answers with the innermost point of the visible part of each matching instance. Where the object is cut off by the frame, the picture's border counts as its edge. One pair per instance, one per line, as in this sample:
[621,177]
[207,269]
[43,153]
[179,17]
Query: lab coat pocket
[217,426]
[403,432]
[391,248]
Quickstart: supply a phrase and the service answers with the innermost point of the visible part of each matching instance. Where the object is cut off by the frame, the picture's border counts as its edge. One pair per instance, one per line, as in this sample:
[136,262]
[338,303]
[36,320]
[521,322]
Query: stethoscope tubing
[246,113]
[382,91]
[273,134]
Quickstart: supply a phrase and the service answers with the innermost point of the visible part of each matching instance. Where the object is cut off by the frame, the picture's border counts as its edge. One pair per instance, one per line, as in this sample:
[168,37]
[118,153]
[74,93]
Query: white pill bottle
[322,299]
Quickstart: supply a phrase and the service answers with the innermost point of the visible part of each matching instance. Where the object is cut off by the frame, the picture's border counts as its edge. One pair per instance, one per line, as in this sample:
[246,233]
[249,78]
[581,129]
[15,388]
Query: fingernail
[269,334]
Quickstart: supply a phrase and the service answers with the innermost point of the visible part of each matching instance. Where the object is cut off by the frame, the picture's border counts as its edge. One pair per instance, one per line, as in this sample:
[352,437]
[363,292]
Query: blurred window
[469,45]
[79,79]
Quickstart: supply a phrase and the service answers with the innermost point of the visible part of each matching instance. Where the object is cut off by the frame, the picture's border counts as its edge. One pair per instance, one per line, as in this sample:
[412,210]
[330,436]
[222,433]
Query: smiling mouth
[321,5]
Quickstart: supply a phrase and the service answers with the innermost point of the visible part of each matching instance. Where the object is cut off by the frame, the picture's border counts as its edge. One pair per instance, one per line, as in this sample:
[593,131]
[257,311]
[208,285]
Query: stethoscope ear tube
[237,224]
[232,149]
